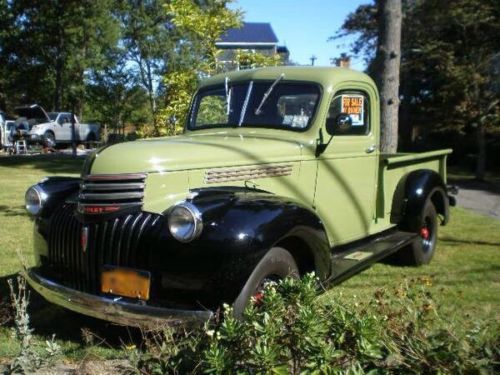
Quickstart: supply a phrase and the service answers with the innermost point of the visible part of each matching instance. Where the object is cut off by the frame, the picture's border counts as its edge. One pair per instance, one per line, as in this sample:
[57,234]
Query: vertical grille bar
[125,241]
[131,234]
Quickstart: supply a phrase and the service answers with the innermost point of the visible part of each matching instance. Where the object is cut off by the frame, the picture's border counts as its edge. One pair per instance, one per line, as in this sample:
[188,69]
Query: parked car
[277,174]
[55,128]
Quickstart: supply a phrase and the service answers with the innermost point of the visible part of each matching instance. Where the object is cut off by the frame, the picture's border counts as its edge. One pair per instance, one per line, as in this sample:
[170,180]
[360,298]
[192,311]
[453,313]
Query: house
[250,37]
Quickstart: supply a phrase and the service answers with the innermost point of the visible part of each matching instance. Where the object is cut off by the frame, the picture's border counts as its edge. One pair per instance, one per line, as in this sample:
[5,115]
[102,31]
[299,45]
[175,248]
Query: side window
[63,119]
[354,104]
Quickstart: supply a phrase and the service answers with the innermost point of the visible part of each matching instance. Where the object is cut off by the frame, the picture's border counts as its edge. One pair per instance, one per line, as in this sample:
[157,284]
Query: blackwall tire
[91,139]
[277,264]
[422,250]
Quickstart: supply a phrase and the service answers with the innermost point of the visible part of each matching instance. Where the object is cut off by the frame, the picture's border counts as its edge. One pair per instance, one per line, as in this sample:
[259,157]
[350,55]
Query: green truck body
[316,152]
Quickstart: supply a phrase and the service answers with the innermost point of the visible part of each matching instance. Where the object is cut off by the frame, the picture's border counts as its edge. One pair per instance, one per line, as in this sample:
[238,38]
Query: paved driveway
[481,197]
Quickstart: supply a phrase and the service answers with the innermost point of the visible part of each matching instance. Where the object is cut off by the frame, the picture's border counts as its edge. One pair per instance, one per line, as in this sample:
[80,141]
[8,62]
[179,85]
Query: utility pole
[313,58]
[73,132]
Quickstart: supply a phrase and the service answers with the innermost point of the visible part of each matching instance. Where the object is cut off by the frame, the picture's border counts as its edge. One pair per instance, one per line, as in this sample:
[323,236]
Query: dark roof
[250,32]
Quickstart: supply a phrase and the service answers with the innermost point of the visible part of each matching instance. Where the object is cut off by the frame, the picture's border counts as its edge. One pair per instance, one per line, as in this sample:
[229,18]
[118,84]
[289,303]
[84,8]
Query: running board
[359,256]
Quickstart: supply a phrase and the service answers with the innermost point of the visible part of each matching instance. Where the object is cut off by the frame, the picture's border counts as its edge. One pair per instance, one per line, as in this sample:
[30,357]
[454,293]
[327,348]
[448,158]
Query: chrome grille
[104,193]
[125,241]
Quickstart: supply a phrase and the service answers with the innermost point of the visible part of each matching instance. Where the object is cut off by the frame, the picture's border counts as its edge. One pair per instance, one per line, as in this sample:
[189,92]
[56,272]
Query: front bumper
[112,309]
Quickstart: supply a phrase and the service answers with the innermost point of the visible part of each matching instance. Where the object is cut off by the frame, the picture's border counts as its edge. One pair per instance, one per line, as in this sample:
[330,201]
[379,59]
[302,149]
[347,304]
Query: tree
[386,65]
[449,59]
[201,23]
[251,59]
[150,39]
[50,45]
[115,98]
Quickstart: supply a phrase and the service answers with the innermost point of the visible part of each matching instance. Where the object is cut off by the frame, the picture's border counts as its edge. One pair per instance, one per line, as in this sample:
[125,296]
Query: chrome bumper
[112,309]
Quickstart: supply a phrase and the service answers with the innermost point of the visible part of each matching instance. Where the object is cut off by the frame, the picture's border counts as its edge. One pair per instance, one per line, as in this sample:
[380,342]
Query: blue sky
[304,25]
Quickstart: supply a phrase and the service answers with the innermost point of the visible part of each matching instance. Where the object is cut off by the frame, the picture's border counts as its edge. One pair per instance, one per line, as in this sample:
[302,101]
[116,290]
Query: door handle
[371,149]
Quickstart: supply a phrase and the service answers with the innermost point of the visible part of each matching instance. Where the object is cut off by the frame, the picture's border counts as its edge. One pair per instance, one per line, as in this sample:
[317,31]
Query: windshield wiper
[228,95]
[258,111]
[245,103]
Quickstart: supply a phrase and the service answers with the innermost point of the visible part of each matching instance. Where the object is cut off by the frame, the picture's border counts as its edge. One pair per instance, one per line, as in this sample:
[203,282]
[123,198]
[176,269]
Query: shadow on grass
[381,279]
[12,211]
[47,319]
[491,185]
[48,163]
[469,242]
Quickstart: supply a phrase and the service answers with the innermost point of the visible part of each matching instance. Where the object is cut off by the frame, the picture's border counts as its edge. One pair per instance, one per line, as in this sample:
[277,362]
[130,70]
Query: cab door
[347,169]
[63,128]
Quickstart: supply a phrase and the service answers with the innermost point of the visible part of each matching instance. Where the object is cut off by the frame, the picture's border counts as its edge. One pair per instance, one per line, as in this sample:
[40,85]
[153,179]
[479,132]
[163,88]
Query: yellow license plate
[126,282]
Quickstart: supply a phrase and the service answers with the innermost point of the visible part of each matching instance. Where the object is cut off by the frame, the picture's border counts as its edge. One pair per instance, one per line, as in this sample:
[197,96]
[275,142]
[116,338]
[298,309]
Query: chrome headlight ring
[35,199]
[185,222]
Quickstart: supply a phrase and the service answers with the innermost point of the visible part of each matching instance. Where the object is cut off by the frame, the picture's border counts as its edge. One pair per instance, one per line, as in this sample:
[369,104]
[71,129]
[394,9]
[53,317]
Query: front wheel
[421,250]
[276,265]
[49,140]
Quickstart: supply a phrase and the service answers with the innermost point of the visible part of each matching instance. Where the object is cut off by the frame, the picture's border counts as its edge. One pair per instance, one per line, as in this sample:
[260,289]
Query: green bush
[289,331]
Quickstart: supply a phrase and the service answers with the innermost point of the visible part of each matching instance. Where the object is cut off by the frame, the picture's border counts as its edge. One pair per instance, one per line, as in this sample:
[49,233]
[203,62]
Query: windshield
[52,115]
[287,106]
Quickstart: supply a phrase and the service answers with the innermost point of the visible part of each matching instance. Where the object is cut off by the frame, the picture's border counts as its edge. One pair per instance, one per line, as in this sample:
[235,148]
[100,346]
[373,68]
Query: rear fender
[412,193]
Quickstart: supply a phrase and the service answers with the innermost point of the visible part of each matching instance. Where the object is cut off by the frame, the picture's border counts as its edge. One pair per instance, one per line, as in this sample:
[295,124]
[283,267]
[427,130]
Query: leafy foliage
[149,41]
[449,66]
[47,53]
[201,24]
[28,359]
[396,331]
[251,60]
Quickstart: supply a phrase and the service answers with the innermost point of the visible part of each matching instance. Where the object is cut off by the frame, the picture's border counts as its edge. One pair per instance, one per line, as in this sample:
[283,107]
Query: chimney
[343,61]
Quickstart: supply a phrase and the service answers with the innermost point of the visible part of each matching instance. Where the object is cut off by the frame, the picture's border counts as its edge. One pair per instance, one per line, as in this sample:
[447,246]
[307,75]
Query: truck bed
[394,166]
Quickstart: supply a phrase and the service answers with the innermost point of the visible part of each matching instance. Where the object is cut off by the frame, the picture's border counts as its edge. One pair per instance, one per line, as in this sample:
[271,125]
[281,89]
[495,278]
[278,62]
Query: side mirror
[339,124]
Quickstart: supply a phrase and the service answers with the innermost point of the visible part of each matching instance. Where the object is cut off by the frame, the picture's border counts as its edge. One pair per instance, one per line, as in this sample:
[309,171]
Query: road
[480,197]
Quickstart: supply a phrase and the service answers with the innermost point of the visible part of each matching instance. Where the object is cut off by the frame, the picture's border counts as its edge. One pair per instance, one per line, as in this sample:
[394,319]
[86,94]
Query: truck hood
[195,152]
[33,111]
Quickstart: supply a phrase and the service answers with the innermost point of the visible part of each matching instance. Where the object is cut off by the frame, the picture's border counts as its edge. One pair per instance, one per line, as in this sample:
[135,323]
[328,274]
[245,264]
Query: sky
[304,26]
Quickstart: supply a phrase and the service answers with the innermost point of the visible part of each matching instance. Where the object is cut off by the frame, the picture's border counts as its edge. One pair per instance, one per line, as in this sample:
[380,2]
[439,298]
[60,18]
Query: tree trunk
[60,62]
[481,152]
[58,95]
[387,63]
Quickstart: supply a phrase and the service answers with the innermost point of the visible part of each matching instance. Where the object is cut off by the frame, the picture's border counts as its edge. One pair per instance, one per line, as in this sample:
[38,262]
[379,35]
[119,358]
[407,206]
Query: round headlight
[184,222]
[34,198]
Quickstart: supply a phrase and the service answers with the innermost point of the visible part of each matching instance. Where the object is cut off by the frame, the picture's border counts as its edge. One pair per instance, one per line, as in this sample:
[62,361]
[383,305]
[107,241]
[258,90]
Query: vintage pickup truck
[278,173]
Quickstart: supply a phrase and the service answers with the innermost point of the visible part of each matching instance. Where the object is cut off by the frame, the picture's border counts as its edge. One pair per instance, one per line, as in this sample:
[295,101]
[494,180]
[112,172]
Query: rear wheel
[276,265]
[422,249]
[89,143]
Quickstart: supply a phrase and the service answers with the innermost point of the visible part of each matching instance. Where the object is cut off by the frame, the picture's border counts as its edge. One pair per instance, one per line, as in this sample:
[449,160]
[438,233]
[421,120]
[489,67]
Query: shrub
[28,359]
[290,331]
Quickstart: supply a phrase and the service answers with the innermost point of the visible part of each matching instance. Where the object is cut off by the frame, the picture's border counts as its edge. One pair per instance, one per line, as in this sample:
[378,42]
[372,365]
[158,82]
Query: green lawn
[465,273]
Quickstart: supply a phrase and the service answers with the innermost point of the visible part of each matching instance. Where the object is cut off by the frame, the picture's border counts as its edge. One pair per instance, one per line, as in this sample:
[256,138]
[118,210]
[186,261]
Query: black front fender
[244,225]
[57,190]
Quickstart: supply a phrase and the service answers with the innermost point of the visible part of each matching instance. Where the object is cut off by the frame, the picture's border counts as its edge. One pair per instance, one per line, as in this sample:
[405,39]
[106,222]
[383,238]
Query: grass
[464,273]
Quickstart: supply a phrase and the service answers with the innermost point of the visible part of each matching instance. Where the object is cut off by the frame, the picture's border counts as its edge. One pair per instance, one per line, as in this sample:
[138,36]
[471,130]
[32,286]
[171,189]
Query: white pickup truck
[54,128]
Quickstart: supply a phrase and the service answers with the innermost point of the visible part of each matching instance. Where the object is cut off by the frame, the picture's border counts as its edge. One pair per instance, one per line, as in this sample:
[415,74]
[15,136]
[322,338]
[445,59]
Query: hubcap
[424,233]
[258,296]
